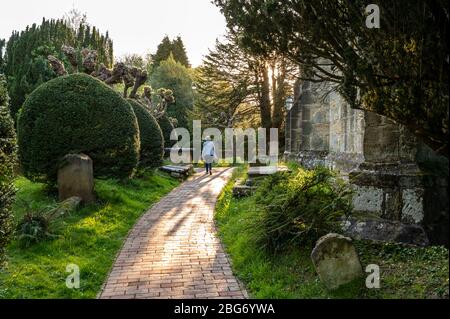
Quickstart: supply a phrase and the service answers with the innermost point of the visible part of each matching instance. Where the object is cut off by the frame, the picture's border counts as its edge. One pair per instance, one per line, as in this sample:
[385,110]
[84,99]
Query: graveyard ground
[90,237]
[406,272]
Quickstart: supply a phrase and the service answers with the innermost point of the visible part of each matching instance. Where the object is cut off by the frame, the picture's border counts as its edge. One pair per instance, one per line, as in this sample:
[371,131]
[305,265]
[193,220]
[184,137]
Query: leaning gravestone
[336,261]
[76,178]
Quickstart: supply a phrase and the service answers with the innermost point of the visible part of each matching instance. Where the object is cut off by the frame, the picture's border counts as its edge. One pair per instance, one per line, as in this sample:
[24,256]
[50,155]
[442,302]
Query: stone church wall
[395,177]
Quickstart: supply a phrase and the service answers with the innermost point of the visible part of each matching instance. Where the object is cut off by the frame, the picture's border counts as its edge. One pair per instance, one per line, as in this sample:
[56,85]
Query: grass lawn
[89,238]
[405,272]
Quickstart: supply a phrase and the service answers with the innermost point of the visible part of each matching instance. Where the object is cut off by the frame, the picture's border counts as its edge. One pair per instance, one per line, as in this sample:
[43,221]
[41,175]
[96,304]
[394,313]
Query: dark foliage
[2,46]
[36,224]
[77,114]
[166,127]
[25,58]
[169,47]
[151,136]
[399,70]
[298,208]
[7,161]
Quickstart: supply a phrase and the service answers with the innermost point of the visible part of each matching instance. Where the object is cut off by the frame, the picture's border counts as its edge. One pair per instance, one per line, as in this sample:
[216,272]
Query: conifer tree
[168,47]
[2,46]
[25,57]
[399,70]
[7,161]
[234,85]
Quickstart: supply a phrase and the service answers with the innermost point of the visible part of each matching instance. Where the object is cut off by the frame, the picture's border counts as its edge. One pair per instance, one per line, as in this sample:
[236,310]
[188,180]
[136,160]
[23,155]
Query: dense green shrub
[151,136]
[166,127]
[299,207]
[77,114]
[7,161]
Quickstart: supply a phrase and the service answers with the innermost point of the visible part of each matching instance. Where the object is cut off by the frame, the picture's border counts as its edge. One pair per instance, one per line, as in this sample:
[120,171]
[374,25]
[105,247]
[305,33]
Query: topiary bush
[151,136]
[77,114]
[7,161]
[298,207]
[166,128]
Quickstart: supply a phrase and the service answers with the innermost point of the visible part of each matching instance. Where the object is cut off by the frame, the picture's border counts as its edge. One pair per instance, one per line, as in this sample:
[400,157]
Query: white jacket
[209,152]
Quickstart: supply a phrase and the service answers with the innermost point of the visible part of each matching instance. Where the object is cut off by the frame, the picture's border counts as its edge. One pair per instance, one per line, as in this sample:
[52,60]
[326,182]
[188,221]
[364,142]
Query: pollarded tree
[7,161]
[134,60]
[26,53]
[399,70]
[156,102]
[176,77]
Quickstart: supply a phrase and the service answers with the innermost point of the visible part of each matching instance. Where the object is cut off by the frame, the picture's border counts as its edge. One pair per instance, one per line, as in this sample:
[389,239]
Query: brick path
[173,251]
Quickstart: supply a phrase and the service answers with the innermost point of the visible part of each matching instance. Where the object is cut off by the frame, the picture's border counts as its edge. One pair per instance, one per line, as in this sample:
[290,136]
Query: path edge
[147,210]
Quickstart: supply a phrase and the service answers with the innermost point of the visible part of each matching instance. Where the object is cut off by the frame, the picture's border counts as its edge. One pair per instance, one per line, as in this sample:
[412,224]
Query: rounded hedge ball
[77,114]
[151,136]
[166,127]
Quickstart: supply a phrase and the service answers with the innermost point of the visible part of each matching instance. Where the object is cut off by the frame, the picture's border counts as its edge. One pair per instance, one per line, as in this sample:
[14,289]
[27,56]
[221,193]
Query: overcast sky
[136,26]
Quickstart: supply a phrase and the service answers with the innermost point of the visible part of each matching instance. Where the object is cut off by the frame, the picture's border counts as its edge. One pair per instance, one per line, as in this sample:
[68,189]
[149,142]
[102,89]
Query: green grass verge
[89,238]
[405,272]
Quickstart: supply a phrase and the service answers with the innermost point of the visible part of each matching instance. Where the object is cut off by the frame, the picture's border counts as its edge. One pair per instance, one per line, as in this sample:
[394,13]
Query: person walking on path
[209,154]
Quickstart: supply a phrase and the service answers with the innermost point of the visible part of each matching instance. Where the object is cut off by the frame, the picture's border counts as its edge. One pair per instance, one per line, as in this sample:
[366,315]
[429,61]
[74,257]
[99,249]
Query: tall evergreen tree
[233,84]
[179,52]
[7,161]
[224,82]
[25,59]
[399,70]
[168,47]
[2,46]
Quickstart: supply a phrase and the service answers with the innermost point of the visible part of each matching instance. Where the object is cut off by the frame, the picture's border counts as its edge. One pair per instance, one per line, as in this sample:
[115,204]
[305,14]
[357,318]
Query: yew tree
[399,70]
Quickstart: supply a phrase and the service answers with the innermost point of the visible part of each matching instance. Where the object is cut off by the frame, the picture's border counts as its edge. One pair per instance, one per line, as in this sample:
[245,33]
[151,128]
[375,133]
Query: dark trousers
[208,167]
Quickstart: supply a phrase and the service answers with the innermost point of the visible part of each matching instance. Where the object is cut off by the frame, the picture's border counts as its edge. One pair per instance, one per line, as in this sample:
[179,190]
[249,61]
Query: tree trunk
[279,94]
[264,100]
[140,77]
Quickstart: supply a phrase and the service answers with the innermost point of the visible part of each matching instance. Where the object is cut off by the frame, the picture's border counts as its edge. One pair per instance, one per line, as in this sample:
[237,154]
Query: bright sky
[136,26]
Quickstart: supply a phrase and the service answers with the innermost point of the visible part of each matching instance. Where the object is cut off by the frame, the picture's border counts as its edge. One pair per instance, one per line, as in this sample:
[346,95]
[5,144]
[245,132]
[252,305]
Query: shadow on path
[173,250]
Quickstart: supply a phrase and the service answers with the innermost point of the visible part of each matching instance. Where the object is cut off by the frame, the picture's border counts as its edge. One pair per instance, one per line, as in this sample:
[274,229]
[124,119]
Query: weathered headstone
[243,191]
[377,229]
[76,178]
[259,171]
[336,261]
[67,206]
[178,171]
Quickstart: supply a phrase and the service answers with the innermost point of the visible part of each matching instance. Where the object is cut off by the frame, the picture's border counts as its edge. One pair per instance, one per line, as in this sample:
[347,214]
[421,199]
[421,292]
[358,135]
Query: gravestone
[243,191]
[76,178]
[384,230]
[67,206]
[336,261]
[259,171]
[178,171]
